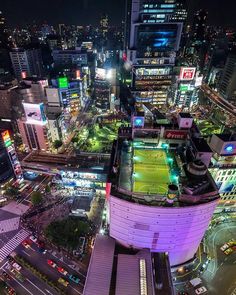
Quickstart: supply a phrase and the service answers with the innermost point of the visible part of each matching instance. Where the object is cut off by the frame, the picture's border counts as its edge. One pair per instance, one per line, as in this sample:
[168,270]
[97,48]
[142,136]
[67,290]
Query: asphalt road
[31,285]
[220,275]
[40,262]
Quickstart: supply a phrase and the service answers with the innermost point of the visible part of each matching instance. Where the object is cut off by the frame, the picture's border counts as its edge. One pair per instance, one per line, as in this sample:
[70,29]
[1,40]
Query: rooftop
[201,145]
[227,137]
[157,173]
[108,270]
[185,115]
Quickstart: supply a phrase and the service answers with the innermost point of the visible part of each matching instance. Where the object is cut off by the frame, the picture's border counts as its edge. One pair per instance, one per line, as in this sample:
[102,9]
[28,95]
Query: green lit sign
[63,82]
[183,87]
[8,143]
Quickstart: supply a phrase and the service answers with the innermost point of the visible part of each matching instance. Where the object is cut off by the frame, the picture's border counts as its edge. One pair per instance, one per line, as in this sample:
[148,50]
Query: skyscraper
[27,62]
[104,25]
[152,43]
[199,25]
[2,30]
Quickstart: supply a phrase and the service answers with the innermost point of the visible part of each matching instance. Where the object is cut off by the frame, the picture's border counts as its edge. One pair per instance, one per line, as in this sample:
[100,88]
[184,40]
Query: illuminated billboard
[198,81]
[187,74]
[100,74]
[34,113]
[138,121]
[12,155]
[184,87]
[155,38]
[63,82]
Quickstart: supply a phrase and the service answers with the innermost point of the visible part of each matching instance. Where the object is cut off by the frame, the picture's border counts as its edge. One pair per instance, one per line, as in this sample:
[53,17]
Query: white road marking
[21,285]
[26,253]
[4,265]
[76,290]
[48,291]
[35,286]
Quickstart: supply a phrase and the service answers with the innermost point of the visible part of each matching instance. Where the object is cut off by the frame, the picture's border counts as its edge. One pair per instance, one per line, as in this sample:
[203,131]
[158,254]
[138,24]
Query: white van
[195,282]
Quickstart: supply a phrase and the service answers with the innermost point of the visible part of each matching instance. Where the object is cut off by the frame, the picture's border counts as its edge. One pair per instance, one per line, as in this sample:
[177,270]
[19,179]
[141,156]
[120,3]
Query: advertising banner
[35,113]
[187,74]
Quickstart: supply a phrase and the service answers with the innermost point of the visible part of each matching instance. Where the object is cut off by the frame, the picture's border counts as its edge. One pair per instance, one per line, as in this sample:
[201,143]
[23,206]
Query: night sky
[19,12]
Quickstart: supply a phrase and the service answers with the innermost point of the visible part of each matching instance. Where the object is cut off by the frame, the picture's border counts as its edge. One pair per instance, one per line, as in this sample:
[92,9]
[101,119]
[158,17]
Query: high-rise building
[199,25]
[104,25]
[9,163]
[2,30]
[27,62]
[151,48]
[160,193]
[180,14]
[6,171]
[223,167]
[33,127]
[227,87]
[32,90]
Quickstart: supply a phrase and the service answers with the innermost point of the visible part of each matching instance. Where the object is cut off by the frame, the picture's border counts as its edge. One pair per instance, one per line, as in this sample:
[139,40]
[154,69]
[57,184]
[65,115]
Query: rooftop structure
[161,195]
[148,273]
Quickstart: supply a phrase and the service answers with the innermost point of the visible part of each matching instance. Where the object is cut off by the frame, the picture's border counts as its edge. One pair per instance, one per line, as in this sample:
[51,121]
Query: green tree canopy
[66,233]
[36,198]
[47,189]
[11,191]
[57,143]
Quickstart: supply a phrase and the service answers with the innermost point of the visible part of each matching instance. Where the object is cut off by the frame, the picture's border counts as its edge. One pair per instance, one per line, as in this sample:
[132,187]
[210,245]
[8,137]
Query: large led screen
[157,38]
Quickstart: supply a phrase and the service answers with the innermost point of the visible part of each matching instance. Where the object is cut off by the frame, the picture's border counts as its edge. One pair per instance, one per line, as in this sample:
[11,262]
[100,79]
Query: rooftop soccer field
[151,171]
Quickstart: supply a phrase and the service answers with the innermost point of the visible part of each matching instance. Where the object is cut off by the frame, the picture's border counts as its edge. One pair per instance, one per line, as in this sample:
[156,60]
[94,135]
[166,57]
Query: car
[33,239]
[183,293]
[40,244]
[10,259]
[224,247]
[63,282]
[74,279]
[201,290]
[26,244]
[51,263]
[16,266]
[62,271]
[233,248]
[228,251]
[43,250]
[6,275]
[231,243]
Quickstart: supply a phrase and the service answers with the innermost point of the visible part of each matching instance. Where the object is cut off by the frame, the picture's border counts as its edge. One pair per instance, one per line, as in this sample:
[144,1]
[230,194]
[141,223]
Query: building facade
[27,62]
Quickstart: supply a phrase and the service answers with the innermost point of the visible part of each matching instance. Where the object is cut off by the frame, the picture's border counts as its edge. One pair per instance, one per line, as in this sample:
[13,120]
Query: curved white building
[160,198]
[177,230]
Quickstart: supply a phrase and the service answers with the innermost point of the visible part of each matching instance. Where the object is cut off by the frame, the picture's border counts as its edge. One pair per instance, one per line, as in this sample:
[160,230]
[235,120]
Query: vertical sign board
[12,155]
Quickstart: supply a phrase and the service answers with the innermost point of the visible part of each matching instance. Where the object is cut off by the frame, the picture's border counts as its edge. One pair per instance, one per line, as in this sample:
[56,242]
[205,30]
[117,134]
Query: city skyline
[85,12]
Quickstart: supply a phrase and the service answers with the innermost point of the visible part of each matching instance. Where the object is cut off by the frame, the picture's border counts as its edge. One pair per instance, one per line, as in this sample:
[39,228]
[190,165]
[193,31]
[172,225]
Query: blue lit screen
[151,38]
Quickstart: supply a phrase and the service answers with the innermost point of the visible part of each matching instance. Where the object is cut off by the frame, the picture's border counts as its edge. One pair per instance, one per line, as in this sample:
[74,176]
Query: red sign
[175,134]
[78,74]
[187,73]
[23,75]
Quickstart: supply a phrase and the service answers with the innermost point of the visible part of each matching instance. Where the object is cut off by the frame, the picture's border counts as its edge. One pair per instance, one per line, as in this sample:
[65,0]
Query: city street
[220,274]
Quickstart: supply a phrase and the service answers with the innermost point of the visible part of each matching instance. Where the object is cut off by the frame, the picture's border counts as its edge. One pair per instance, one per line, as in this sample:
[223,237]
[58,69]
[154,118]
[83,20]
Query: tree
[57,143]
[36,198]
[66,233]
[74,139]
[11,191]
[47,189]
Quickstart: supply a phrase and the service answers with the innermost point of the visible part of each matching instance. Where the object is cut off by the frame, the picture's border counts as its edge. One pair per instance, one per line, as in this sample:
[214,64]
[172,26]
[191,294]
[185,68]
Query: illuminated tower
[152,41]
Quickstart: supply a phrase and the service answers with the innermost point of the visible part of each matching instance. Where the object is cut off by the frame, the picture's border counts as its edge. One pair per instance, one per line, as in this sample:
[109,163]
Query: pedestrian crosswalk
[13,243]
[9,225]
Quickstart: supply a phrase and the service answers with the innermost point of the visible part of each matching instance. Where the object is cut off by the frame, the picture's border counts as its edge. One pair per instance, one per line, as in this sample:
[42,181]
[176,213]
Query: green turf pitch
[151,172]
